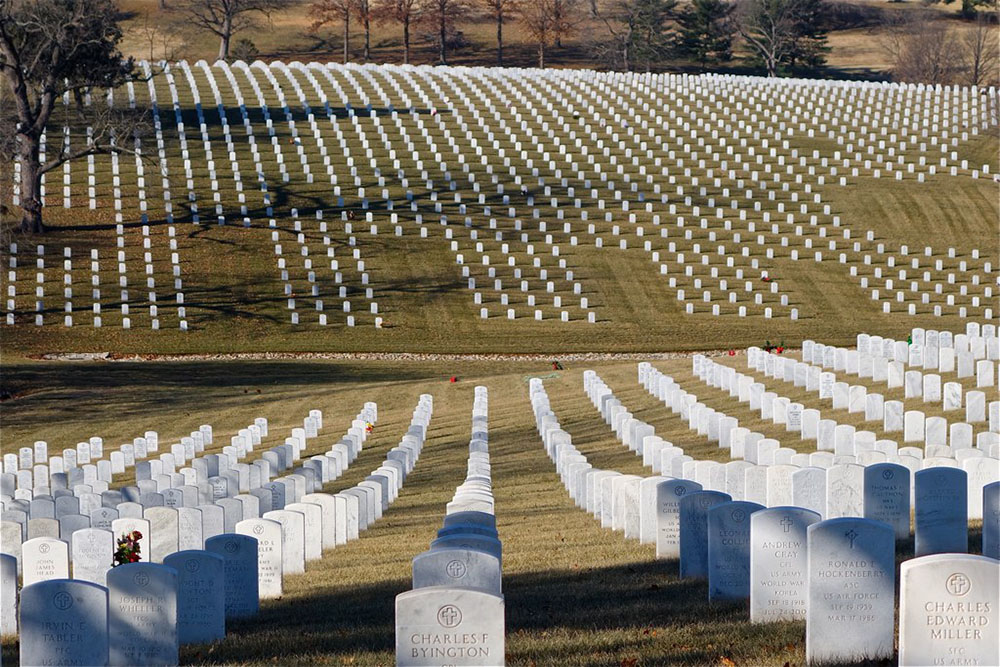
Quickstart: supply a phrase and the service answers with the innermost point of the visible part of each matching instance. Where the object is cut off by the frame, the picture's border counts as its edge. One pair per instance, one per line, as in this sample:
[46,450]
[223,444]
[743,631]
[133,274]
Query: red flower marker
[453,379]
[732,353]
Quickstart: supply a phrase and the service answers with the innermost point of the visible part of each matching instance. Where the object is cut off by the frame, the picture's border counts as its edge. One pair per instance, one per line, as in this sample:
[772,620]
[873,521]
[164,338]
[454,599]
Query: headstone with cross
[268,533]
[78,608]
[447,625]
[948,610]
[142,614]
[201,596]
[941,515]
[693,509]
[778,590]
[887,496]
[851,575]
[668,531]
[457,567]
[729,550]
[240,555]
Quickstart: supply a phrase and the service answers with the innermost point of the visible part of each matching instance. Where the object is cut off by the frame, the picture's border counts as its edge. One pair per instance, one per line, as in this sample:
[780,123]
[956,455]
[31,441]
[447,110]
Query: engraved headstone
[93,554]
[201,596]
[778,563]
[668,532]
[142,614]
[851,577]
[693,509]
[44,559]
[462,568]
[948,613]
[887,496]
[79,609]
[267,532]
[729,550]
[240,554]
[441,625]
[941,513]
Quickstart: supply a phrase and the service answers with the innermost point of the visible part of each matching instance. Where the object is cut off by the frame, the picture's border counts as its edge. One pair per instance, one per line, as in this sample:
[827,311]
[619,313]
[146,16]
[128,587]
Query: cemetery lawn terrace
[575,593]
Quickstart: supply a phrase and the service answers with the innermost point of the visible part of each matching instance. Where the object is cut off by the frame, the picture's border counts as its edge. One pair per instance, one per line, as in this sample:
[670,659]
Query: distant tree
[443,14]
[980,55]
[923,49]
[564,20]
[782,32]
[969,8]
[363,10]
[706,33]
[537,21]
[49,48]
[640,30]
[500,11]
[225,18]
[325,12]
[403,12]
[245,50]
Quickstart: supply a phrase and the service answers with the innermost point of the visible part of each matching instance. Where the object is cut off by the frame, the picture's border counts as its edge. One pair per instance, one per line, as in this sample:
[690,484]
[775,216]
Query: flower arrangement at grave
[128,550]
[777,349]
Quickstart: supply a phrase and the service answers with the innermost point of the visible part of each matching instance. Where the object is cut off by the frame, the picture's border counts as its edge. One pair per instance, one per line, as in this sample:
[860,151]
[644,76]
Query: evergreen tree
[706,34]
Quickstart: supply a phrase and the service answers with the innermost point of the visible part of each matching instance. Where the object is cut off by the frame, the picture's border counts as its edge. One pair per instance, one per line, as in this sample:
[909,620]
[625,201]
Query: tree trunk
[227,33]
[406,41]
[347,36]
[442,37]
[541,54]
[499,38]
[31,186]
[368,38]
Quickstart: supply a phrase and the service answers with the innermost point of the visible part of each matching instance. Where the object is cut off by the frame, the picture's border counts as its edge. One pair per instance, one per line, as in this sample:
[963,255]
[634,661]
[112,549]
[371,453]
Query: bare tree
[225,18]
[639,30]
[363,10]
[775,30]
[564,20]
[443,14]
[403,12]
[537,18]
[500,11]
[161,41]
[325,12]
[980,56]
[923,49]
[49,48]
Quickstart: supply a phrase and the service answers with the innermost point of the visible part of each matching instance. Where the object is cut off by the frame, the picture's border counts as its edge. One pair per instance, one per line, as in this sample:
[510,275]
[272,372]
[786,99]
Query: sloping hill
[319,207]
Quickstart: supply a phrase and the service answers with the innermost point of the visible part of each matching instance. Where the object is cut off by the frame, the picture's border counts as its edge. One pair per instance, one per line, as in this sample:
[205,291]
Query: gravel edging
[376,356]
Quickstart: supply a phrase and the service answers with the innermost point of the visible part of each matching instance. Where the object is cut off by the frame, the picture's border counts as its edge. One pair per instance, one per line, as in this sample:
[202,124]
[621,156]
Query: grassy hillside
[487,188]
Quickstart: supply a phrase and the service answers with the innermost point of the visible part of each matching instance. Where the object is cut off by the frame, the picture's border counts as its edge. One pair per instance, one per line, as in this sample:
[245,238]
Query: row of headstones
[808,422]
[858,398]
[311,275]
[35,471]
[845,439]
[282,539]
[830,483]
[179,517]
[837,489]
[455,611]
[789,569]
